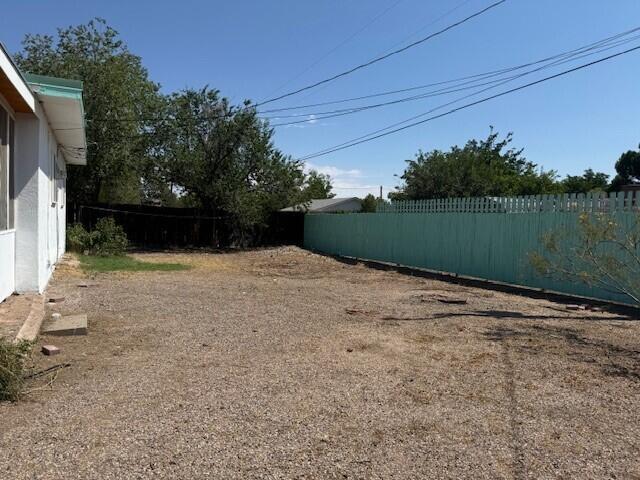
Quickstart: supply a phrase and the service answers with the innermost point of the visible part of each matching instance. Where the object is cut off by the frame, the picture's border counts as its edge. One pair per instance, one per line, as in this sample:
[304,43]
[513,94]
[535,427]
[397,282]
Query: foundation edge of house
[30,328]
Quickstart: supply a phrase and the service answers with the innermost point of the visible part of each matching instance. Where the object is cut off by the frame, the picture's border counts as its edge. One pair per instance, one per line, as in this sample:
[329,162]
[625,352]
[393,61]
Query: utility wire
[479,76]
[424,27]
[384,57]
[340,45]
[603,44]
[494,83]
[401,42]
[468,105]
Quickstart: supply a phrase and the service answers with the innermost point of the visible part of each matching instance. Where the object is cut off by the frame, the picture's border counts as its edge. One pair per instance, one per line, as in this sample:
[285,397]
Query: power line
[431,23]
[384,57]
[340,45]
[472,80]
[424,27]
[468,105]
[493,84]
[478,76]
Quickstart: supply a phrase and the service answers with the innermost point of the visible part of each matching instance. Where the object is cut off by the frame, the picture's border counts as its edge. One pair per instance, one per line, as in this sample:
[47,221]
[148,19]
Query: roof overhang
[61,100]
[13,86]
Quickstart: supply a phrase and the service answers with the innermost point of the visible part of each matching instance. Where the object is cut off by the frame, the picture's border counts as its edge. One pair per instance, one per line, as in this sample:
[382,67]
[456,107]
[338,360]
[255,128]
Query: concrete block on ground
[68,325]
[31,327]
[50,350]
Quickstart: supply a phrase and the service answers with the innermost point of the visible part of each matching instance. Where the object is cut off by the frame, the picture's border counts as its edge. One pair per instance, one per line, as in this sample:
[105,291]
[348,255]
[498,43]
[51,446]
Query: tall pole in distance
[380,192]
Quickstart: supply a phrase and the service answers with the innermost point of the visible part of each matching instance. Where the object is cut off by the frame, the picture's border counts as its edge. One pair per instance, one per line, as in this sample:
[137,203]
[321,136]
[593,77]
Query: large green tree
[369,204]
[486,167]
[221,158]
[628,168]
[317,186]
[590,181]
[120,102]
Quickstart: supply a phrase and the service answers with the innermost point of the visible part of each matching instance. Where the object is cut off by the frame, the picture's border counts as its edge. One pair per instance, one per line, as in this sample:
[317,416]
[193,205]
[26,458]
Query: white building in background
[328,205]
[41,131]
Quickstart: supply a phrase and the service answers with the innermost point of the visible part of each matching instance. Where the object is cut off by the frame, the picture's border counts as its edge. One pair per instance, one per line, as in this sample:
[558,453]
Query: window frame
[10,177]
[12,173]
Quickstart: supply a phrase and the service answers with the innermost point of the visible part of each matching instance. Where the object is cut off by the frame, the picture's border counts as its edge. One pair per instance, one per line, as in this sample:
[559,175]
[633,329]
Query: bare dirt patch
[279,363]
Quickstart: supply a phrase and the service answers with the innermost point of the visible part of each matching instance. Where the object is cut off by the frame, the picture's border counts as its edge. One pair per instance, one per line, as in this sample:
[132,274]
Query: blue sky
[250,49]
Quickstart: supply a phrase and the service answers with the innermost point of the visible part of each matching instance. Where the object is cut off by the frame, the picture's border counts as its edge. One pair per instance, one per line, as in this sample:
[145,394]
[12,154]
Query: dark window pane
[4,166]
[12,172]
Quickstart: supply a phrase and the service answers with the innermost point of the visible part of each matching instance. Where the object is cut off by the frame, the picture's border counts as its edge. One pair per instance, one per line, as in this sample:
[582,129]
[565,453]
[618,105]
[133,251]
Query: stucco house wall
[30,250]
[7,259]
[7,236]
[40,222]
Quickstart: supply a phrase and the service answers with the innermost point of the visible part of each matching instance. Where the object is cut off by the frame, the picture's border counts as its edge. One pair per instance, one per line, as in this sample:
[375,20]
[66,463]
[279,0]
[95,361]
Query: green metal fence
[491,241]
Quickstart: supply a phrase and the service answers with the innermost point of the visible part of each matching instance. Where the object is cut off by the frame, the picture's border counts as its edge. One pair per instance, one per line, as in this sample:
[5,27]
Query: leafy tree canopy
[222,158]
[369,204]
[590,181]
[119,100]
[317,186]
[628,168]
[480,168]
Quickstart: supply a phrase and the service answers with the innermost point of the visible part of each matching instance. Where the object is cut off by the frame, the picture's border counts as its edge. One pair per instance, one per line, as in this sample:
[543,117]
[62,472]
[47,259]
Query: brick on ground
[50,350]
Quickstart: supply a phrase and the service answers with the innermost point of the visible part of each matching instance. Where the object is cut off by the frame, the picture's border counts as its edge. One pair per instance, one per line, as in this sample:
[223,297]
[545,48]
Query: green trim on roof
[46,81]
[45,86]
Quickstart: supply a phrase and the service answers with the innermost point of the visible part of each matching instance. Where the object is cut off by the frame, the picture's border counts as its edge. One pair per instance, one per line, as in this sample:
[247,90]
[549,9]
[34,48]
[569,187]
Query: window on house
[54,179]
[12,172]
[4,169]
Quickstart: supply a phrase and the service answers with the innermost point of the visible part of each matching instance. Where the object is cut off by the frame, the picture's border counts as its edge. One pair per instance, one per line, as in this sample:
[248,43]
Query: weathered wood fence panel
[467,238]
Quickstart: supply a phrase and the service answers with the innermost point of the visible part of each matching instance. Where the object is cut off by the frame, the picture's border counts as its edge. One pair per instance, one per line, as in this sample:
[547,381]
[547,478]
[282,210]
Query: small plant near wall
[105,240]
[602,253]
[13,357]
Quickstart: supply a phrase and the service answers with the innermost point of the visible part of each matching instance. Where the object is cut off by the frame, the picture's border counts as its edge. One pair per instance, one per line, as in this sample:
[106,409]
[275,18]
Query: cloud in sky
[347,182]
[311,119]
[333,172]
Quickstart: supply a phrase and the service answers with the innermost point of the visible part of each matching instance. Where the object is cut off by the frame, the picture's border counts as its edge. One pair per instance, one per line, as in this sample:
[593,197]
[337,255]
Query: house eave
[13,86]
[62,102]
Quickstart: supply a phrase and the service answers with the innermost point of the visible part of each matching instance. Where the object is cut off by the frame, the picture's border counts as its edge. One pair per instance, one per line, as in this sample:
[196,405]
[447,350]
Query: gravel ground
[283,364]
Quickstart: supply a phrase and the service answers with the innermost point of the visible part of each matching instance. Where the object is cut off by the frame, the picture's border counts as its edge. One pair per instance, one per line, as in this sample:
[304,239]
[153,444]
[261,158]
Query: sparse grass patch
[126,264]
[12,365]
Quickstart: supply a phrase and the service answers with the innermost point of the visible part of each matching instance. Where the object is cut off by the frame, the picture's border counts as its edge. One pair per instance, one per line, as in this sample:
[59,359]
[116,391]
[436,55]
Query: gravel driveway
[284,364]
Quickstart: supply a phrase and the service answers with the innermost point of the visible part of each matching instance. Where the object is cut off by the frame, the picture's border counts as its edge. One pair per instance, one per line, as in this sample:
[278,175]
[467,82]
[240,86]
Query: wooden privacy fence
[580,202]
[162,227]
[486,238]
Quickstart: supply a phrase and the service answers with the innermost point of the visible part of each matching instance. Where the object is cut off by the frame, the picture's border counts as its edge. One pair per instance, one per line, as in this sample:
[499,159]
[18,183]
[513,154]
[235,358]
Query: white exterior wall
[40,222]
[26,205]
[7,244]
[7,263]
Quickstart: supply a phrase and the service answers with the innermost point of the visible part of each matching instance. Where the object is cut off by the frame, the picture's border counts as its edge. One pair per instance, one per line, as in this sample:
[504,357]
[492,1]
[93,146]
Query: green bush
[77,238]
[602,252]
[105,240]
[108,238]
[12,365]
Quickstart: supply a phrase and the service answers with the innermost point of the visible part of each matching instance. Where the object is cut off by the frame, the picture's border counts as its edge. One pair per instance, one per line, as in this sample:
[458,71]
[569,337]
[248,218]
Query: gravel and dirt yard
[282,364]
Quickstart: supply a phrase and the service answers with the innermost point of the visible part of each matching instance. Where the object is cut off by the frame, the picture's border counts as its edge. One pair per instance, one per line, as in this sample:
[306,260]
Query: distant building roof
[327,205]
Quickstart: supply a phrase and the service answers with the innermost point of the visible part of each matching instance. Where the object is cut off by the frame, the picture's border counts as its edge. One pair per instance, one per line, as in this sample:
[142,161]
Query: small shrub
[77,238]
[108,239]
[13,357]
[603,252]
[105,240]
